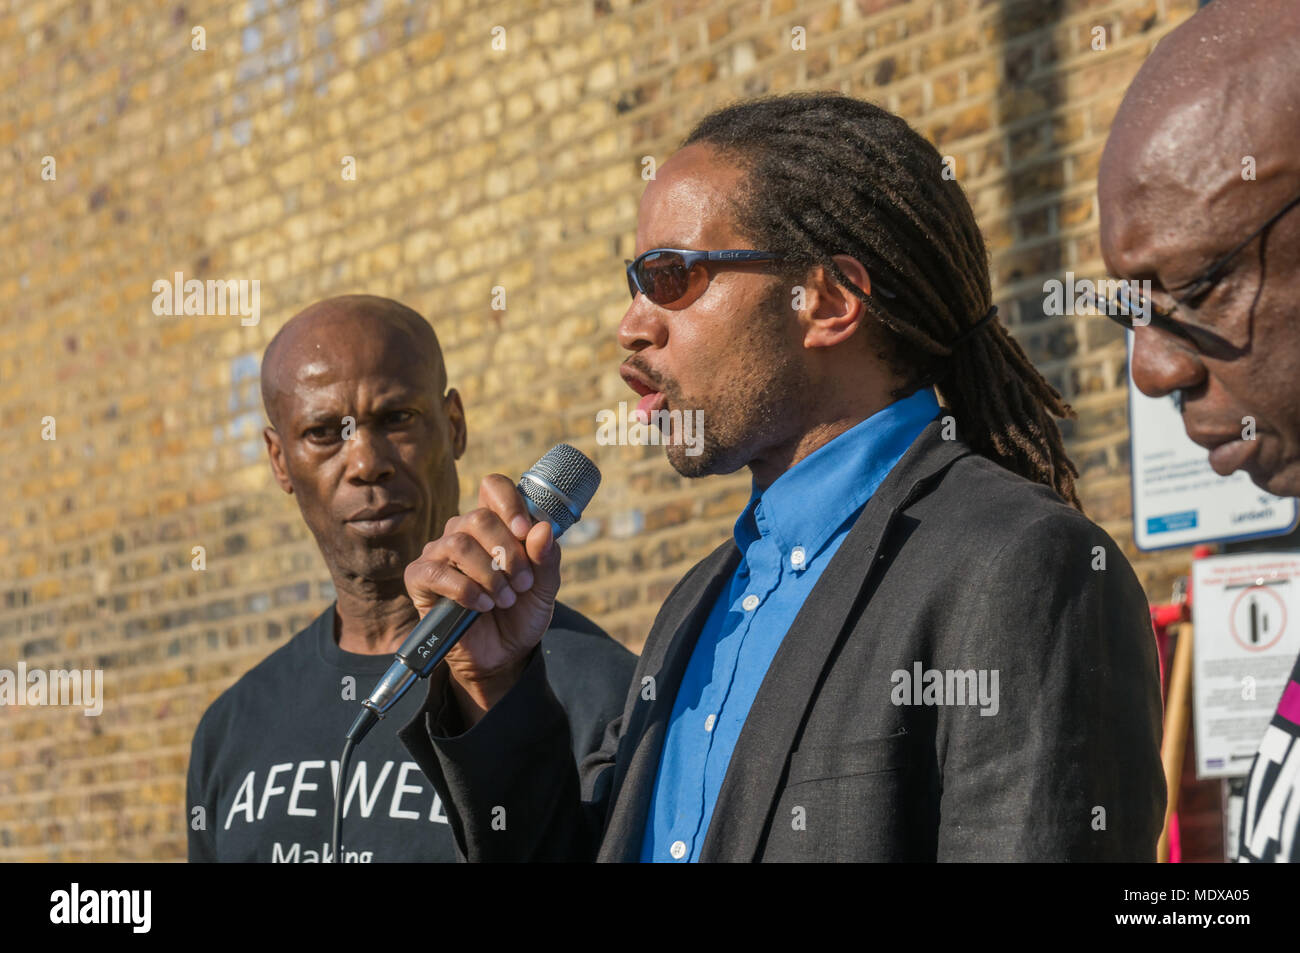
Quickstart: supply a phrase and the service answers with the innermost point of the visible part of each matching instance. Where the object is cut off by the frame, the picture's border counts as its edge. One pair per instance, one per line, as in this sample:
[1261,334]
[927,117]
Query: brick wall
[474,168]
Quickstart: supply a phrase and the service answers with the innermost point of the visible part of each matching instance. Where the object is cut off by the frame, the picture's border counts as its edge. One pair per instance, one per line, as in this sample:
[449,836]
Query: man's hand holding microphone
[496,560]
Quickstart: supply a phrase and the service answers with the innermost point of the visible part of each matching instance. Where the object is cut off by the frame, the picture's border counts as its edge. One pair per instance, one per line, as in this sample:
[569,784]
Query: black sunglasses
[1136,310]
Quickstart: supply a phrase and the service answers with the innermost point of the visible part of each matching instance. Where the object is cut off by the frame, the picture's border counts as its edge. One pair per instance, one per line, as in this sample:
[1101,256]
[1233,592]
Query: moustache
[656,381]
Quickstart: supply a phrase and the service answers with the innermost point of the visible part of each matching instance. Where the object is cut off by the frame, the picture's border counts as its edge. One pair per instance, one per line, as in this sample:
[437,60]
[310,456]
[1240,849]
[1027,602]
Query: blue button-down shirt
[787,535]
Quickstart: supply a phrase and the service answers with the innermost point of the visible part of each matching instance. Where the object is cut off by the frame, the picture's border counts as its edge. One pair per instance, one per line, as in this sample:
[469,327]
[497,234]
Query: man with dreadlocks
[915,646]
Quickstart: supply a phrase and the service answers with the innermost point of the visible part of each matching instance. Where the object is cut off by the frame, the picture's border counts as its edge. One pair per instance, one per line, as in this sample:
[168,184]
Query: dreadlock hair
[827,174]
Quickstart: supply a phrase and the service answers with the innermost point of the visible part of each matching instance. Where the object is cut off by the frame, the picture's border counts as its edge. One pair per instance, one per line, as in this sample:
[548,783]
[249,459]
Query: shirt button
[797,556]
[708,722]
[750,603]
[678,850]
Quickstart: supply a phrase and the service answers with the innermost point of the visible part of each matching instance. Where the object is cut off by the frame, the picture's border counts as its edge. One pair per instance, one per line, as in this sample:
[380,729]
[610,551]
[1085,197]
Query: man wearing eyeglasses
[1200,194]
[913,646]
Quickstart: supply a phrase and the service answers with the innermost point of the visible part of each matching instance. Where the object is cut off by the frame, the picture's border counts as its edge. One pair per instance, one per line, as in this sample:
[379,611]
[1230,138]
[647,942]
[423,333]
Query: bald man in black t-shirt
[364,433]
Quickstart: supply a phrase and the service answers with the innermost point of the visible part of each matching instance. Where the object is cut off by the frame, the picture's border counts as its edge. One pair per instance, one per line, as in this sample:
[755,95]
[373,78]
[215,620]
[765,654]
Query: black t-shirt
[265,755]
[1270,824]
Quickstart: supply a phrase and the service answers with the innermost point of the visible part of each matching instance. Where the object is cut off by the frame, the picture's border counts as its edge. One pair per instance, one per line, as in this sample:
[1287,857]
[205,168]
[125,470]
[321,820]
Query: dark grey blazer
[955,564]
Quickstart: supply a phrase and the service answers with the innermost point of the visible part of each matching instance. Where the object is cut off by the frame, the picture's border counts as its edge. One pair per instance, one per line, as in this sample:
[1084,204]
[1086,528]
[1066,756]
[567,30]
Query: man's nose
[369,456]
[1160,366]
[642,326]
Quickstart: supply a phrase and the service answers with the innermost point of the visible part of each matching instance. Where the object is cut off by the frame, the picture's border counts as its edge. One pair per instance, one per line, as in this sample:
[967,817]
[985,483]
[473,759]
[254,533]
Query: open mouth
[648,405]
[651,400]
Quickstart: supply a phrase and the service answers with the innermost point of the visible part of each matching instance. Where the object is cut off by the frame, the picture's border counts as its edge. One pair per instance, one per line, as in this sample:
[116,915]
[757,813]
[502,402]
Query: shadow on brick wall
[1028,110]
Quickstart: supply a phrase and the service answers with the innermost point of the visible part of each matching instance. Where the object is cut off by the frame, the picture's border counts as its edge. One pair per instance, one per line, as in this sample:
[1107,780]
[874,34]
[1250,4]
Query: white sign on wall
[1178,499]
[1246,611]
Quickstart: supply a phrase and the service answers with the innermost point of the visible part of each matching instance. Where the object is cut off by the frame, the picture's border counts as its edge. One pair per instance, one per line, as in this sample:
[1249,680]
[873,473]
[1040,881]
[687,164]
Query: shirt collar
[806,505]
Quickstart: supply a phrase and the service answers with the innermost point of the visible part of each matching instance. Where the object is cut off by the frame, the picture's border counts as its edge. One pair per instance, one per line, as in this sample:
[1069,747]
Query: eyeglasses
[1132,310]
[674,277]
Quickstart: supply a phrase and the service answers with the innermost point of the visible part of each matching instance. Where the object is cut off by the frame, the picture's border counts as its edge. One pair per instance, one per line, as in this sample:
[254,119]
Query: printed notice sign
[1247,617]
[1178,499]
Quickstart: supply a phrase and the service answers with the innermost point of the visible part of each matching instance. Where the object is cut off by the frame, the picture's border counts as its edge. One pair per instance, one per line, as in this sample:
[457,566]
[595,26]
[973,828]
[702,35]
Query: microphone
[557,488]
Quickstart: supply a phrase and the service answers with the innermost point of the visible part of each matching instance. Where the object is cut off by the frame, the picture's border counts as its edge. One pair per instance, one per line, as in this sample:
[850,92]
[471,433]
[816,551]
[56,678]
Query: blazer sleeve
[1066,765]
[510,785]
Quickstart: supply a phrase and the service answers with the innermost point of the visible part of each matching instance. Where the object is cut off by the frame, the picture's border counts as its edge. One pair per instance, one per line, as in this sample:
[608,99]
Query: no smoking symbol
[1258,618]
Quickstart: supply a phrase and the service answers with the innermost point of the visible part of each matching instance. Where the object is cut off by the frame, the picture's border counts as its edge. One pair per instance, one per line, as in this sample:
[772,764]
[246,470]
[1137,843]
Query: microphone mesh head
[562,472]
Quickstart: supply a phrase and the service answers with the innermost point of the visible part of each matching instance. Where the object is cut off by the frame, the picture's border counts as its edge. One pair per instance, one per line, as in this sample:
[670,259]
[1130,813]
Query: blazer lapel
[667,651]
[749,789]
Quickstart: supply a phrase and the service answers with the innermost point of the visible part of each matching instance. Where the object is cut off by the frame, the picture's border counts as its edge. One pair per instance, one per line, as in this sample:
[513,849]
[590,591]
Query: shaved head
[1218,91]
[1202,154]
[347,321]
[365,434]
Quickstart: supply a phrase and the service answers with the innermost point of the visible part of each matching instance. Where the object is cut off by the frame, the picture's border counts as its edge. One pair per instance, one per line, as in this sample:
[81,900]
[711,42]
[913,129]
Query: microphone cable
[557,488]
[337,826]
